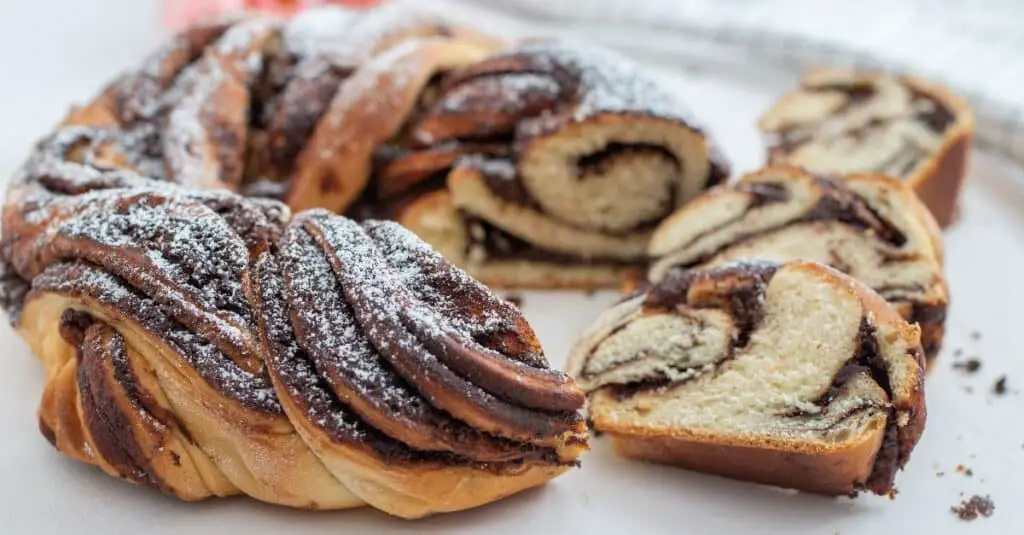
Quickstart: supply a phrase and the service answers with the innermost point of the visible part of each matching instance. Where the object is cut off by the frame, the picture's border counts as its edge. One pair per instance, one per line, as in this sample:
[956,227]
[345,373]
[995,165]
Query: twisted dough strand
[208,344]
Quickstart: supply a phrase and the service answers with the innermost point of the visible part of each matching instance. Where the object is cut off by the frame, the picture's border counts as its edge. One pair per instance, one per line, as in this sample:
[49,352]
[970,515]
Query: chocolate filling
[73,324]
[764,193]
[109,426]
[680,367]
[503,181]
[718,170]
[846,207]
[866,359]
[835,204]
[357,374]
[77,280]
[316,399]
[738,287]
[856,94]
[599,162]
[496,244]
[399,343]
[938,117]
[789,139]
[932,319]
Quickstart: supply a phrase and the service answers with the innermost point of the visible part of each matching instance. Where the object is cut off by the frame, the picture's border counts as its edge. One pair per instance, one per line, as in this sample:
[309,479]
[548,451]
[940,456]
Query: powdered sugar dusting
[376,294]
[185,135]
[398,64]
[331,334]
[340,311]
[242,47]
[608,81]
[175,250]
[83,279]
[315,29]
[455,300]
[493,168]
[511,88]
[142,93]
[289,363]
[378,28]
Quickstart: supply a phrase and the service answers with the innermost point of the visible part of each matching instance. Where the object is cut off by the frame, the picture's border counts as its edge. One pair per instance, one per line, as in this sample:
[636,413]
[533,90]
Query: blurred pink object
[180,13]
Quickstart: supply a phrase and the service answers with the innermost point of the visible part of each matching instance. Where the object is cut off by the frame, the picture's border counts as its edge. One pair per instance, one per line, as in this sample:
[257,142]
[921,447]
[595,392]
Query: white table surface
[56,52]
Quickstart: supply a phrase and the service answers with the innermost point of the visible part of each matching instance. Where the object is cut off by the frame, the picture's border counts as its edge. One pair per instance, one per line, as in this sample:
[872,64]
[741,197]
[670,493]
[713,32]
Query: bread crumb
[999,388]
[971,365]
[974,507]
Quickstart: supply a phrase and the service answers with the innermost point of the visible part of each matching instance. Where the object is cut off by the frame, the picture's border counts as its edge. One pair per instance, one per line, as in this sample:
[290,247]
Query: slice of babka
[791,374]
[844,121]
[869,226]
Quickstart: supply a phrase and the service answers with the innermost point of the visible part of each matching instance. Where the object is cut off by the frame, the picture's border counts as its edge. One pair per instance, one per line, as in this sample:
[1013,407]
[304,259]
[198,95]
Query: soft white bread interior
[786,374]
[846,121]
[435,219]
[869,226]
[597,154]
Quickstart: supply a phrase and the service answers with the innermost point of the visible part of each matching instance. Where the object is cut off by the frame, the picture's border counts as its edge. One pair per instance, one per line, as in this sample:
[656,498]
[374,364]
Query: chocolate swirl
[235,105]
[727,358]
[842,121]
[871,227]
[596,154]
[207,344]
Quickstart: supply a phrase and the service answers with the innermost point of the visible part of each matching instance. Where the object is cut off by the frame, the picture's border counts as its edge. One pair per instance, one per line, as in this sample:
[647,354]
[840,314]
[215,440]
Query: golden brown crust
[818,470]
[939,182]
[144,409]
[335,166]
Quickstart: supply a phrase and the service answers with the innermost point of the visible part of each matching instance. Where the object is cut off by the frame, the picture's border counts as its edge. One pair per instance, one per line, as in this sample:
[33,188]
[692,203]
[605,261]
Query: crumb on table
[971,365]
[970,509]
[999,388]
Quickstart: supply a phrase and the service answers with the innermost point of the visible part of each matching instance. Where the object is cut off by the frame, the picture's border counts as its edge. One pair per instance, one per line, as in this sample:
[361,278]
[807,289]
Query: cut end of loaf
[786,374]
[869,226]
[846,121]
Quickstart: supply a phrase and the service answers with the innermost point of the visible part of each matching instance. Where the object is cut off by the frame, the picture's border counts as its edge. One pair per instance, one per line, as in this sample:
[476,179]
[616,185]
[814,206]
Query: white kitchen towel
[974,46]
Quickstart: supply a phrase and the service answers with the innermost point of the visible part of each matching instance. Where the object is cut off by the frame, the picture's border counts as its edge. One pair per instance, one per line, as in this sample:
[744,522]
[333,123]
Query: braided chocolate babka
[791,374]
[842,121]
[206,343]
[590,155]
[869,226]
